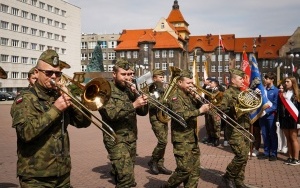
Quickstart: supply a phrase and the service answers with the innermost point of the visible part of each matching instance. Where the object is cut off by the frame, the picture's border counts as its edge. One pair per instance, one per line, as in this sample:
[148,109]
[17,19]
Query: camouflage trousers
[213,126]
[52,181]
[240,146]
[122,156]
[187,156]
[161,132]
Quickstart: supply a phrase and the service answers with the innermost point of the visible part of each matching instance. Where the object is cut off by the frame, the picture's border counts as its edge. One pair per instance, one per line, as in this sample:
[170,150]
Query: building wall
[62,24]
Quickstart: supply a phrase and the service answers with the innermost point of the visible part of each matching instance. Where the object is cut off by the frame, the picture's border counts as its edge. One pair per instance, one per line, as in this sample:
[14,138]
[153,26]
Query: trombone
[222,115]
[159,105]
[94,98]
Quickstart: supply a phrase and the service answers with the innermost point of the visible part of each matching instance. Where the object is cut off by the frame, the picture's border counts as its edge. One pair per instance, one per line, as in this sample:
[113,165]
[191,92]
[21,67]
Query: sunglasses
[49,73]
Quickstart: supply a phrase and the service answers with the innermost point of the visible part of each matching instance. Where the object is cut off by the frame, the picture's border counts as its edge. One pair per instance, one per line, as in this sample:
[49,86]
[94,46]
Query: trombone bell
[96,93]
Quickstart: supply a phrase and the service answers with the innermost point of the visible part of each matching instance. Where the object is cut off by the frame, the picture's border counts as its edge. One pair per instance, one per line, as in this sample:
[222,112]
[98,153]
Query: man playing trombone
[41,115]
[234,176]
[185,142]
[159,128]
[120,113]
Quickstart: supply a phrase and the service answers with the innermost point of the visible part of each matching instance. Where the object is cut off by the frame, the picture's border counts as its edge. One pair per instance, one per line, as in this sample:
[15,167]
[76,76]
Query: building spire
[175,5]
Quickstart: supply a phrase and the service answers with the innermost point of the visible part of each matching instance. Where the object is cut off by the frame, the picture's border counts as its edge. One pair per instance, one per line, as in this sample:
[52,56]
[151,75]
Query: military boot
[164,170]
[153,167]
[228,181]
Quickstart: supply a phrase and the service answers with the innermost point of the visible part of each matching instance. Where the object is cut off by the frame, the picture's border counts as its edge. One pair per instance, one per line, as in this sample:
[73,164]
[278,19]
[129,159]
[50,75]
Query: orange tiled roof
[210,42]
[182,29]
[176,16]
[266,47]
[130,39]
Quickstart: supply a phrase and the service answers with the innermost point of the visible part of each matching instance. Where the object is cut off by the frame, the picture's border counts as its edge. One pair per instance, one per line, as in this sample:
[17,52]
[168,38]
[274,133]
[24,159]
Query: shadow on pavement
[104,172]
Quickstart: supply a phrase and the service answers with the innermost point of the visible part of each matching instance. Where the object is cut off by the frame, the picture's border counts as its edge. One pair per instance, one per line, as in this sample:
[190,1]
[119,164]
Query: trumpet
[95,94]
[3,74]
[222,115]
[159,105]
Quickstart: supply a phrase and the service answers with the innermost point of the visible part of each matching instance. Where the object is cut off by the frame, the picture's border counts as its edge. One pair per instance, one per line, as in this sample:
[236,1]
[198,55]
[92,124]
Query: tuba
[3,74]
[175,72]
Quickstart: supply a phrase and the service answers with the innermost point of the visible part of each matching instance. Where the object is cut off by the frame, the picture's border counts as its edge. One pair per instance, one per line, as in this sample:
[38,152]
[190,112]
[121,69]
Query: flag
[221,42]
[246,68]
[195,72]
[265,101]
[293,67]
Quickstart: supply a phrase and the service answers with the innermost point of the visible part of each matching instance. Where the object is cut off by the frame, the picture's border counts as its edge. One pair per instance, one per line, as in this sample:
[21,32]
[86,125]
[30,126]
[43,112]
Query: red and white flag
[246,68]
[294,68]
[221,42]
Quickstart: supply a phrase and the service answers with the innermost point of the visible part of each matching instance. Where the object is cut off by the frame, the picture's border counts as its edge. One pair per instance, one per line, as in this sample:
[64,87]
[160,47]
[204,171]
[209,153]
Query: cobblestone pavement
[90,166]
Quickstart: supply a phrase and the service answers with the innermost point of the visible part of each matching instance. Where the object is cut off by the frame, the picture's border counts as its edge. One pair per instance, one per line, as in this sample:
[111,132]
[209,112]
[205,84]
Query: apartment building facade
[107,42]
[29,27]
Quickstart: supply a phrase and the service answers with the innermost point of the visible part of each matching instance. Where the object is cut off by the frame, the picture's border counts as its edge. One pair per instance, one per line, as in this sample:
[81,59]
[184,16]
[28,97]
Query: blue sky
[242,18]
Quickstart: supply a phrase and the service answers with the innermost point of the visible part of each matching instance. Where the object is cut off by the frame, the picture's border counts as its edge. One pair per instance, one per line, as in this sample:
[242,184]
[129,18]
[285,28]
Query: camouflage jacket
[228,103]
[188,108]
[43,146]
[120,114]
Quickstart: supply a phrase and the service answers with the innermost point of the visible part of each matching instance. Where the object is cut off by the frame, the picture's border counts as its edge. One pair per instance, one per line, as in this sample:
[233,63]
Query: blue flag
[265,101]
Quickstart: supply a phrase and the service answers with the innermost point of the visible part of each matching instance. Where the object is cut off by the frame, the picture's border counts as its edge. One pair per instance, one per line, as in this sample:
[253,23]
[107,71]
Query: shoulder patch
[174,98]
[19,100]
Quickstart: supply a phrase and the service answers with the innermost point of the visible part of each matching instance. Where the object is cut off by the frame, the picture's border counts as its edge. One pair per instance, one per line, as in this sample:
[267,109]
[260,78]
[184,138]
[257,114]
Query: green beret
[158,72]
[63,65]
[186,73]
[124,64]
[50,57]
[237,72]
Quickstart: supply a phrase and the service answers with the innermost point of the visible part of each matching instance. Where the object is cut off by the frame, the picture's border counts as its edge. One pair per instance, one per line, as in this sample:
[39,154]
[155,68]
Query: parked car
[5,96]
[14,95]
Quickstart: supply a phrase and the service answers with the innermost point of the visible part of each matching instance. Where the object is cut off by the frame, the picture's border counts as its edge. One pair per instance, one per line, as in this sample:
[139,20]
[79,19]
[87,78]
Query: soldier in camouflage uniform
[41,116]
[235,171]
[213,120]
[120,113]
[185,143]
[31,77]
[159,128]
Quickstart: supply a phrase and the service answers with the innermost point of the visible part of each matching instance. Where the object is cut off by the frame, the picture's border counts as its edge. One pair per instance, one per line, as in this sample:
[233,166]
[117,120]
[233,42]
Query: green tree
[96,62]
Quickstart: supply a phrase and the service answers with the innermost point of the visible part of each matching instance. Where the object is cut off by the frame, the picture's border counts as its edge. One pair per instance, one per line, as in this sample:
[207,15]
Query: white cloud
[243,18]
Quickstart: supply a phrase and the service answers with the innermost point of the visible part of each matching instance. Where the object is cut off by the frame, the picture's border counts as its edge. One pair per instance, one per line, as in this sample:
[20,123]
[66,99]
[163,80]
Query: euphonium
[214,98]
[175,72]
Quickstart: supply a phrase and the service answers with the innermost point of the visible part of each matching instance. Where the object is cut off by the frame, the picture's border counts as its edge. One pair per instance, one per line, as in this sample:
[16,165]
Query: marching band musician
[159,128]
[41,115]
[120,113]
[234,176]
[213,120]
[185,142]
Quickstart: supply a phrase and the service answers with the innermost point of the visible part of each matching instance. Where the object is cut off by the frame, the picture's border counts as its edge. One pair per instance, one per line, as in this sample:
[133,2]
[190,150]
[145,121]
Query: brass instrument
[175,72]
[95,94]
[3,74]
[248,102]
[159,105]
[225,117]
[214,98]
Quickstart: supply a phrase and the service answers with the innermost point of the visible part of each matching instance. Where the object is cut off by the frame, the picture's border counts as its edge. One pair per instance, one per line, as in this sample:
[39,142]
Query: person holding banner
[268,121]
[288,113]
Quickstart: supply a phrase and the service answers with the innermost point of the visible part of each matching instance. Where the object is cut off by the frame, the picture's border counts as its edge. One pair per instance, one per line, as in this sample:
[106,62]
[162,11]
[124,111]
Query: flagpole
[218,57]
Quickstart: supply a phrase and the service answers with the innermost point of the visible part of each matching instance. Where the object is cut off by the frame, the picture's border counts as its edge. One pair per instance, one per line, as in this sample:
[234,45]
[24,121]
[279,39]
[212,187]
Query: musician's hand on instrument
[257,91]
[63,102]
[204,108]
[140,101]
